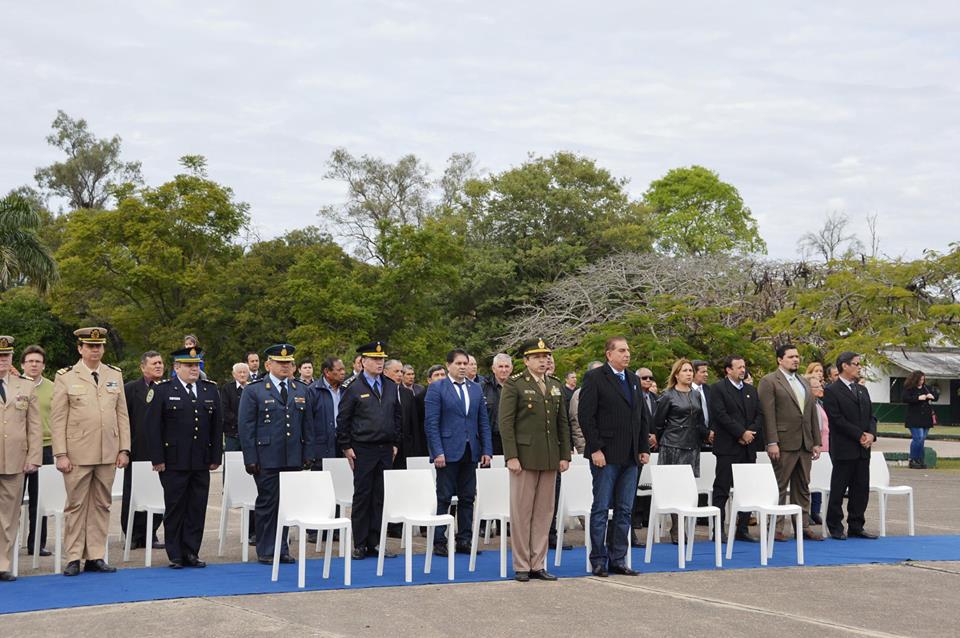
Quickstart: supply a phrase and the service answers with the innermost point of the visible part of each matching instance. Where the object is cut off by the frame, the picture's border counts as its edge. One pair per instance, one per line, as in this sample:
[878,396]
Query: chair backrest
[673,486]
[820,472]
[238,486]
[579,459]
[237,454]
[645,470]
[879,472]
[764,458]
[421,463]
[755,484]
[146,489]
[339,469]
[493,492]
[708,472]
[498,460]
[116,490]
[306,496]
[576,488]
[409,492]
[51,492]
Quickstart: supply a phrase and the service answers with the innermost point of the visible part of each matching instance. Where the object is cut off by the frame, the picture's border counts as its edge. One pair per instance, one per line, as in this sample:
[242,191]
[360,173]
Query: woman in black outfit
[920,417]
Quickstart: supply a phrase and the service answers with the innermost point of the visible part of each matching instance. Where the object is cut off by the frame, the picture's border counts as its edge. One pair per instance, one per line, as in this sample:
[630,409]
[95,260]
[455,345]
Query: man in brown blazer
[21,448]
[91,440]
[791,429]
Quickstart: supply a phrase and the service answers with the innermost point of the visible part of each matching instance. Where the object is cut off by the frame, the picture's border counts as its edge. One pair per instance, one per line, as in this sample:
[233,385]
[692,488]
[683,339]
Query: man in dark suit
[615,429]
[369,429]
[276,435]
[139,394]
[853,430]
[738,427]
[492,386]
[184,433]
[230,404]
[458,435]
[410,421]
[791,431]
[253,364]
[410,380]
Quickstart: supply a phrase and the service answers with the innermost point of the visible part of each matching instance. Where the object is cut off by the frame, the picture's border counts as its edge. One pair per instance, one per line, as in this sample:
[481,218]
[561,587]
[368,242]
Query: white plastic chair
[410,497]
[579,459]
[15,559]
[820,472]
[424,463]
[239,492]
[497,461]
[757,491]
[576,499]
[708,472]
[146,495]
[675,492]
[492,504]
[880,483]
[644,486]
[51,500]
[342,476]
[116,490]
[308,501]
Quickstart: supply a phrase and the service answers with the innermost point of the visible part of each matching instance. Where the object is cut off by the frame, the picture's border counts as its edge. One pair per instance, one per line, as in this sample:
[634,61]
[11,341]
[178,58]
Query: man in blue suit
[276,435]
[458,436]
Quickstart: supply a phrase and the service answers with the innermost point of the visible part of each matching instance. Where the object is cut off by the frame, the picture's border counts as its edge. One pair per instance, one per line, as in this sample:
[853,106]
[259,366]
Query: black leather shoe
[359,553]
[861,534]
[838,536]
[746,537]
[600,571]
[312,537]
[553,545]
[7,577]
[810,535]
[138,544]
[440,550]
[252,541]
[623,570]
[98,565]
[287,559]
[816,519]
[72,568]
[635,540]
[265,560]
[523,577]
[44,552]
[176,564]
[375,551]
[464,548]
[542,574]
[161,544]
[193,561]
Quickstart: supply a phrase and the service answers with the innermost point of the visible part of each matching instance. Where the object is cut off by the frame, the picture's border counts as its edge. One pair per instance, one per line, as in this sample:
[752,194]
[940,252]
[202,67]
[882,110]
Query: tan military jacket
[534,426]
[89,421]
[21,430]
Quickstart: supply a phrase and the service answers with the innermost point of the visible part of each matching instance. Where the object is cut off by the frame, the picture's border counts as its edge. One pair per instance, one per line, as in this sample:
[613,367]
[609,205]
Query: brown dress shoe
[811,536]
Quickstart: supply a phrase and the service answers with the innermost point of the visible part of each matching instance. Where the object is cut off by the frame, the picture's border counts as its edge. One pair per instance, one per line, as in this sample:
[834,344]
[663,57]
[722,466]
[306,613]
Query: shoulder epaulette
[517,375]
[65,370]
[210,381]
[23,376]
[347,383]
[113,367]
[162,381]
[554,378]
[257,380]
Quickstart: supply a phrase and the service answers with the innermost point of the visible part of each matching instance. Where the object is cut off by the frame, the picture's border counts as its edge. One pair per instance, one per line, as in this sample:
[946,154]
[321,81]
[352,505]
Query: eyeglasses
[646,378]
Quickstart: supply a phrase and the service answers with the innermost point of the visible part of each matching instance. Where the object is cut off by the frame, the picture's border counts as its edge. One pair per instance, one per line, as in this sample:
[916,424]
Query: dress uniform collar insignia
[267,385]
[293,385]
[149,395]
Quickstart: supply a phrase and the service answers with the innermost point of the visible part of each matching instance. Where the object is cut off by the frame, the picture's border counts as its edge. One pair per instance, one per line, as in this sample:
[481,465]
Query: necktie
[239,390]
[460,392]
[703,403]
[96,377]
[626,387]
[376,387]
[3,393]
[283,391]
[190,391]
[797,390]
[649,402]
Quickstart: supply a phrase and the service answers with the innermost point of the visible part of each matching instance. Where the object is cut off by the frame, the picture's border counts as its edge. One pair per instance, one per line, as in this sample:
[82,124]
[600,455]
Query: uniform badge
[554,391]
[283,352]
[149,395]
[267,385]
[21,403]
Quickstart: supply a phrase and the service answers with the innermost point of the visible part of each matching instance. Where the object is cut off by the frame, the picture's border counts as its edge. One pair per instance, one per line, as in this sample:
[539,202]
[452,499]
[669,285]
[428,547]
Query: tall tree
[697,214]
[833,240]
[92,171]
[23,256]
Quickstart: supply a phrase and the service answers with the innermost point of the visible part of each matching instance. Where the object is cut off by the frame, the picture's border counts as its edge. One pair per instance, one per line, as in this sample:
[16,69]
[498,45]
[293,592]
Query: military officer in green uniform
[536,444]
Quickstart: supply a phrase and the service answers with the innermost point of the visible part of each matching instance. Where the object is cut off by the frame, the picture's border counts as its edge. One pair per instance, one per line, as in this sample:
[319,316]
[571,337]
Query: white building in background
[942,369]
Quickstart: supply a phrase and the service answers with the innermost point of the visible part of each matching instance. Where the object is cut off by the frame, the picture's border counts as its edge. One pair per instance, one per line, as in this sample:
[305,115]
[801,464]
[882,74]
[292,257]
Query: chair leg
[503,547]
[244,529]
[648,552]
[799,525]
[691,535]
[127,537]
[408,559]
[762,520]
[302,558]
[36,539]
[327,550]
[771,533]
[731,525]
[223,524]
[276,554]
[450,554]
[710,528]
[883,514]
[383,546]
[681,537]
[558,551]
[58,547]
[428,556]
[587,544]
[148,561]
[823,514]
[910,529]
[716,541]
[473,542]
[345,539]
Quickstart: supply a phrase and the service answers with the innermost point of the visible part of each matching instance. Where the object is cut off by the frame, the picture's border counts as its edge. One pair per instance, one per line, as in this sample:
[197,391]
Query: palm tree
[23,257]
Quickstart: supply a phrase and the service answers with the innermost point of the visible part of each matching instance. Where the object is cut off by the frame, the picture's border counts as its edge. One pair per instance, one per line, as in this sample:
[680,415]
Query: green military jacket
[534,427]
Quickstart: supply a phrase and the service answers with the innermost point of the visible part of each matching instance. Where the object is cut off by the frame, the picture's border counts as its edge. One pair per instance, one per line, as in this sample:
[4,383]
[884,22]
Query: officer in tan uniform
[536,445]
[21,447]
[91,440]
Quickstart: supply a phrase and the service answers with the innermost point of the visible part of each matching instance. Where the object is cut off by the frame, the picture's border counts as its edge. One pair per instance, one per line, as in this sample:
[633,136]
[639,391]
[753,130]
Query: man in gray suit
[792,432]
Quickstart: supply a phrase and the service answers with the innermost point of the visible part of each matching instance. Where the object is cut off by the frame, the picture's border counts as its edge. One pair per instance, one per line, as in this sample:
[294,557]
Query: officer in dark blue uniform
[276,435]
[184,429]
[368,431]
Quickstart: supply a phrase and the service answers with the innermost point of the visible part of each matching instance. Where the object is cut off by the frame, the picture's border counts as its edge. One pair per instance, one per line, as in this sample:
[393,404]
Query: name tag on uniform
[208,400]
[299,400]
[21,403]
[530,392]
[173,398]
[364,396]
[269,400]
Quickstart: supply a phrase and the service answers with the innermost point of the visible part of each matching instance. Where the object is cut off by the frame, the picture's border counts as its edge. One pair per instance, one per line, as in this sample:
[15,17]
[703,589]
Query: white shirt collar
[737,386]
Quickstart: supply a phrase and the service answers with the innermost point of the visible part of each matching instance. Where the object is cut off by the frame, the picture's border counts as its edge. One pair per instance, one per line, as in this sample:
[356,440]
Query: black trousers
[185,502]
[853,476]
[267,506]
[458,478]
[724,481]
[367,513]
[139,534]
[32,488]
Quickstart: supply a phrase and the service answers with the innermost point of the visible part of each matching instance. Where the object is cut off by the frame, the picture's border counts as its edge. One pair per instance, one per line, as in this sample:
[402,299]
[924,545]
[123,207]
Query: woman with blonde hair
[815,369]
[679,424]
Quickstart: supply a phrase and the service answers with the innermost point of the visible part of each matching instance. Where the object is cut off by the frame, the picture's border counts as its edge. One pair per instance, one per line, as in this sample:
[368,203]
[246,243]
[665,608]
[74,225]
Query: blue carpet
[33,593]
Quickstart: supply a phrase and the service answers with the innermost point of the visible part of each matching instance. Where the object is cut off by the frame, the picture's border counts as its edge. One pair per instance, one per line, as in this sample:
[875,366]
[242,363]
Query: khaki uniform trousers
[531,511]
[793,470]
[87,510]
[11,495]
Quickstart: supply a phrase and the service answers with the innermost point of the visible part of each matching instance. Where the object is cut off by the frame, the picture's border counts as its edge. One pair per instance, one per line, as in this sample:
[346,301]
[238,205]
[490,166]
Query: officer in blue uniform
[184,429]
[368,431]
[276,435]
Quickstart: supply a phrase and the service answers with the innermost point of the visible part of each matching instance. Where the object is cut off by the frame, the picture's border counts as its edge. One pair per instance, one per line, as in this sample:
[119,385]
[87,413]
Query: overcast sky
[806,107]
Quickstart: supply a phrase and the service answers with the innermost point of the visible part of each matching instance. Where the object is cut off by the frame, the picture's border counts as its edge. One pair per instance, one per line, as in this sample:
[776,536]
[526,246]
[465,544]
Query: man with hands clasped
[536,444]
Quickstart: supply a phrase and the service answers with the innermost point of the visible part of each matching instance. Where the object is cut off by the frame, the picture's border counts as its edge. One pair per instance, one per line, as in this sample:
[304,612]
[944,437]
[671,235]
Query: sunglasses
[646,378]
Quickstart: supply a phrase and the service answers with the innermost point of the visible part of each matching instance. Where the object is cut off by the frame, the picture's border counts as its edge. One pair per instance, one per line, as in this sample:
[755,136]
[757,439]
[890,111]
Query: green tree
[23,256]
[92,171]
[27,316]
[697,214]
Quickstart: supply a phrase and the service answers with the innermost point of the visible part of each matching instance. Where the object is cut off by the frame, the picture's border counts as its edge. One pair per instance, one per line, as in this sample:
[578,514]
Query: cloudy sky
[807,108]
